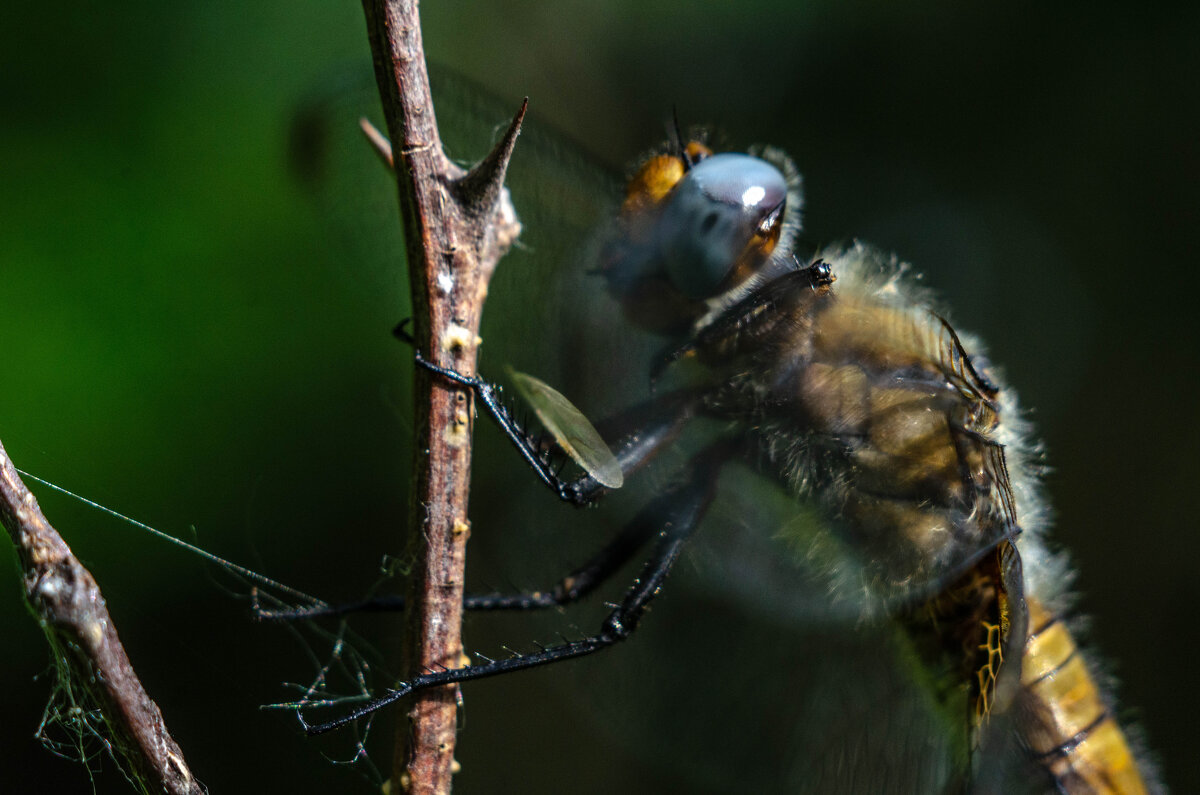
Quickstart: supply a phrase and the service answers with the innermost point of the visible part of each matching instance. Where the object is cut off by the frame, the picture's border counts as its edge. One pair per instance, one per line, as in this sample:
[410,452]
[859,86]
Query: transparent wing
[571,430]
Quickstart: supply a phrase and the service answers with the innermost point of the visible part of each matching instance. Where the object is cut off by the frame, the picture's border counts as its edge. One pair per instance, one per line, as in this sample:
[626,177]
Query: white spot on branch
[458,338]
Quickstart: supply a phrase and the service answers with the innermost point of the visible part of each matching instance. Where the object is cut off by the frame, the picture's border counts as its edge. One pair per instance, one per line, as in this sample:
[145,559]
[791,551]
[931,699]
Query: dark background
[185,343]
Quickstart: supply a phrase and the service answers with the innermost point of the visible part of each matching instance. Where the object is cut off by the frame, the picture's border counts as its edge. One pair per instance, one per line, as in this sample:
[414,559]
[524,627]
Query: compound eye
[720,223]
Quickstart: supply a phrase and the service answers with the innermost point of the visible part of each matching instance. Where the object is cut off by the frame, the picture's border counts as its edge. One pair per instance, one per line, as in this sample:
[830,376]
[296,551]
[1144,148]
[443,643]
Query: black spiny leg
[641,432]
[747,320]
[488,394]
[576,585]
[676,513]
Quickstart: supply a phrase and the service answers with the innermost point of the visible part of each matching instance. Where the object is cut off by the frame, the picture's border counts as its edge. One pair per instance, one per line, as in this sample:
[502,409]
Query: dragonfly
[865,478]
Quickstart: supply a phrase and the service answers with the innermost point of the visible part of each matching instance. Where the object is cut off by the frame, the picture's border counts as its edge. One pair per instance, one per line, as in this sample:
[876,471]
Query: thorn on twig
[378,142]
[402,333]
[480,187]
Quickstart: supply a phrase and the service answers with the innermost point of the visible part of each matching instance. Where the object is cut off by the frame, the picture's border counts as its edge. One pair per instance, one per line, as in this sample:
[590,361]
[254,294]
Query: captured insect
[875,453]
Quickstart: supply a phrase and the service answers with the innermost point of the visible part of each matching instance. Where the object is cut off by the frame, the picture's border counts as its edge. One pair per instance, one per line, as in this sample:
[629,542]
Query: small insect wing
[571,430]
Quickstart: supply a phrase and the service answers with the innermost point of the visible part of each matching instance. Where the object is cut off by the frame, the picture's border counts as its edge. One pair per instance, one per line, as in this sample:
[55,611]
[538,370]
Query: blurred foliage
[185,342]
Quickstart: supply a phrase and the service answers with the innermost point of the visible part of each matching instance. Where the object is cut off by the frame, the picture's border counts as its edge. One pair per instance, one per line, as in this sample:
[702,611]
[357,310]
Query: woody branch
[457,225]
[70,608]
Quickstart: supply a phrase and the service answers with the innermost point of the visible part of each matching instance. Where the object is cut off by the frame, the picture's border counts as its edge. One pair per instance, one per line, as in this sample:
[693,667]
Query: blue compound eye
[720,223]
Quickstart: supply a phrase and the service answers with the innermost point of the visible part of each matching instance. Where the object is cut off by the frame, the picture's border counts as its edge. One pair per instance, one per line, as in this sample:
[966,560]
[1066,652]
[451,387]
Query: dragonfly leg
[674,514]
[488,394]
[658,422]
[571,588]
[746,321]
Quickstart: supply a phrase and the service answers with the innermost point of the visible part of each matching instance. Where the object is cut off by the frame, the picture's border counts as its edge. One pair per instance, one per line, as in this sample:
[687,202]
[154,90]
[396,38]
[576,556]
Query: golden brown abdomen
[1073,734]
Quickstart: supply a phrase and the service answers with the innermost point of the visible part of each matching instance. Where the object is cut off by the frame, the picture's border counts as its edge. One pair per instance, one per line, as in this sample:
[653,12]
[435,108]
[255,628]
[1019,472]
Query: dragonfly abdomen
[1069,727]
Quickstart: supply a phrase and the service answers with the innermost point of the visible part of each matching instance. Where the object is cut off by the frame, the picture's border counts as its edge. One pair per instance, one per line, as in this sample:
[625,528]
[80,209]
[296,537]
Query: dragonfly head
[694,230]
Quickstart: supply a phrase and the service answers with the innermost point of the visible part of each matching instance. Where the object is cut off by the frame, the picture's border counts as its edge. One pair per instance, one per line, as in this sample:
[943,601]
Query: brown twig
[457,225]
[71,611]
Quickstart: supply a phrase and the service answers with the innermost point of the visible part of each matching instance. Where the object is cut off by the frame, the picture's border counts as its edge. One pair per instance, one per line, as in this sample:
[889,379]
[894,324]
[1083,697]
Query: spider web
[346,670]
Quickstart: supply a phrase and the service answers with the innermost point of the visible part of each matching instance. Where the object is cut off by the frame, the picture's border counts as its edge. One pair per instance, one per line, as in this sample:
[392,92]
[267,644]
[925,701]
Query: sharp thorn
[481,185]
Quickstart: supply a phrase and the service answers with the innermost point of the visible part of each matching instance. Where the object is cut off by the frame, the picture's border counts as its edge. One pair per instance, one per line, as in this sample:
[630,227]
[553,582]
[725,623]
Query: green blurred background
[185,342]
